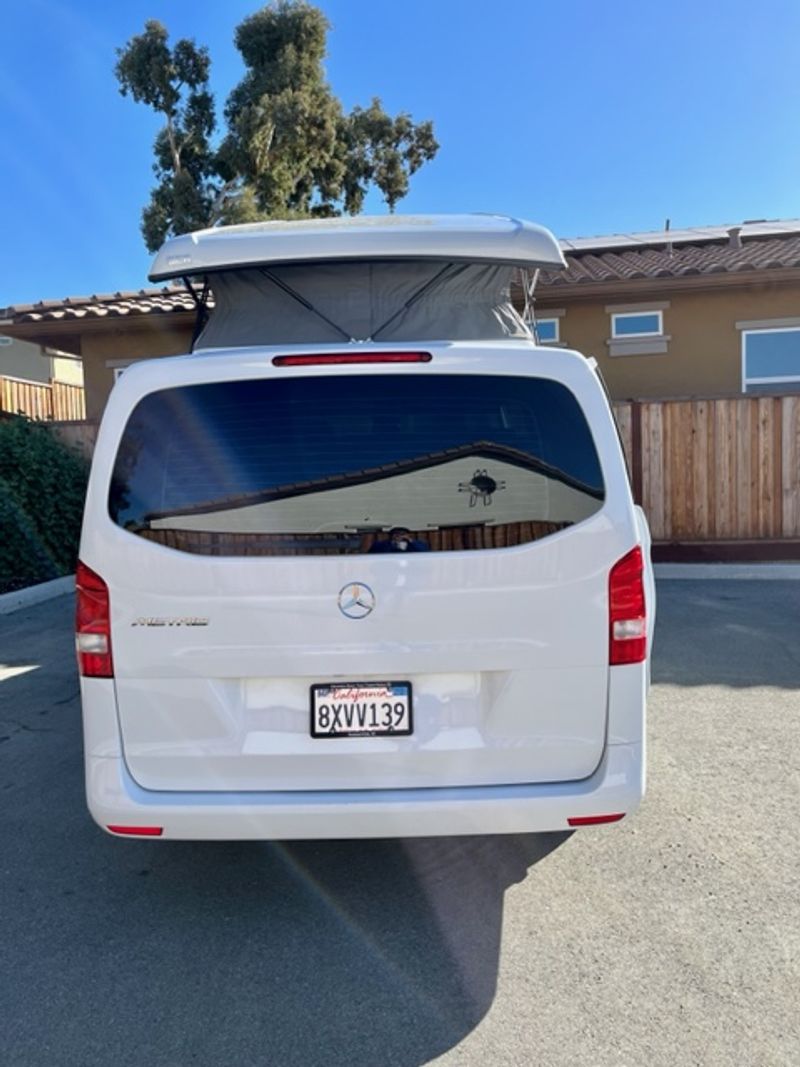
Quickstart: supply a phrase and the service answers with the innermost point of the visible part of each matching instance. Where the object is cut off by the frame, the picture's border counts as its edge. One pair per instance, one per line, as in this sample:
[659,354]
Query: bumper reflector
[593,820]
[137,831]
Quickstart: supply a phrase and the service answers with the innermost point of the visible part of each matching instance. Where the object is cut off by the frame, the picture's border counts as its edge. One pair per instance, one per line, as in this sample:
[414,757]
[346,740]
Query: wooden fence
[40,400]
[715,471]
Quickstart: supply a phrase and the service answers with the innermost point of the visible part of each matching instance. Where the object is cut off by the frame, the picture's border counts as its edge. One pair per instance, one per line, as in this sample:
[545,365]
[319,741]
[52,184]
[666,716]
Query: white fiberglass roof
[475,238]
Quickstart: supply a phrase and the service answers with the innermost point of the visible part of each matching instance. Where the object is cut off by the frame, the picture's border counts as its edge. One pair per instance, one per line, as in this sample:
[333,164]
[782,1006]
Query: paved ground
[672,939]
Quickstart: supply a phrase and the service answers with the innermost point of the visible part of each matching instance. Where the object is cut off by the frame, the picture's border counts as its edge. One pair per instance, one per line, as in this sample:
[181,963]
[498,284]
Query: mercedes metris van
[365,563]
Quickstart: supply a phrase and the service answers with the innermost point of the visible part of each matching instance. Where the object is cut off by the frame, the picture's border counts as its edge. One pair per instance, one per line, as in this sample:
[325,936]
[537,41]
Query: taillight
[92,625]
[626,610]
[351,357]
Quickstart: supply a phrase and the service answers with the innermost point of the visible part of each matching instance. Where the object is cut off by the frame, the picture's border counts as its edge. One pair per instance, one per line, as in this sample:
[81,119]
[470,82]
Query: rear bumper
[115,799]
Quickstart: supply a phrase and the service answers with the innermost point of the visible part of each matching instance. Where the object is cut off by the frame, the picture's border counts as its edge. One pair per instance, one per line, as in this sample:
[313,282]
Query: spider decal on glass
[481,486]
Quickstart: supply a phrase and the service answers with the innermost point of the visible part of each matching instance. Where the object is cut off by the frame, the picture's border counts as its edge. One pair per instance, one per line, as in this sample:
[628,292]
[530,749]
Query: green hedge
[42,488]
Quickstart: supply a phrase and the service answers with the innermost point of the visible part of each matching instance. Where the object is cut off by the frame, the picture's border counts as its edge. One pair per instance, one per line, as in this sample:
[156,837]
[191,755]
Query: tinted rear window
[355,464]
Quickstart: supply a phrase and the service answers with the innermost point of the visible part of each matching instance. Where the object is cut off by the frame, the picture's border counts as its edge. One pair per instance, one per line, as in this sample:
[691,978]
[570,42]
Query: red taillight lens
[626,610]
[351,357]
[137,831]
[92,625]
[594,820]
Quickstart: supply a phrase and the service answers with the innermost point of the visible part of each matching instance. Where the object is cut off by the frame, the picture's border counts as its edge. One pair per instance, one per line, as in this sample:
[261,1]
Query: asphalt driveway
[670,939]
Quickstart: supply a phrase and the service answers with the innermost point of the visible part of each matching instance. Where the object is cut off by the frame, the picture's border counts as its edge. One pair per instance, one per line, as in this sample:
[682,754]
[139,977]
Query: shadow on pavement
[329,953]
[361,952]
[727,632]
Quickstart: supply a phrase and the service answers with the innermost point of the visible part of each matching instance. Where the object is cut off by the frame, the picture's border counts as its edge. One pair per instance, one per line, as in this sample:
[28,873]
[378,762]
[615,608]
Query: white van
[366,562]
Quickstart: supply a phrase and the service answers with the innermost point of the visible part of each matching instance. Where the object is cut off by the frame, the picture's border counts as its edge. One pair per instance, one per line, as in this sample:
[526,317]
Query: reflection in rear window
[355,464]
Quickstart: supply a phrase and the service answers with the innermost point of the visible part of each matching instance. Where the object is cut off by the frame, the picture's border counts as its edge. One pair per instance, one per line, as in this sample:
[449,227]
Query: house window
[770,359]
[547,331]
[637,324]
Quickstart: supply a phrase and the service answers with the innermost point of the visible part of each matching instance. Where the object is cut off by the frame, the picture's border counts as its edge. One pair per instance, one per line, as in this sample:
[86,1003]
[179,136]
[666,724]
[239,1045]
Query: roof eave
[67,333]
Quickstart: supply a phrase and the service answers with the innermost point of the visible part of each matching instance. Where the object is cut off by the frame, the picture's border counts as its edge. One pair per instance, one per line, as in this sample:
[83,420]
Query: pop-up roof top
[472,238]
[329,281]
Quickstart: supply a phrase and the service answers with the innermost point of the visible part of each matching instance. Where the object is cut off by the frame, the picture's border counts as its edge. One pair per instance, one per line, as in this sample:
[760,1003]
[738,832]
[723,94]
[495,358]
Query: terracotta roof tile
[675,261]
[169,300]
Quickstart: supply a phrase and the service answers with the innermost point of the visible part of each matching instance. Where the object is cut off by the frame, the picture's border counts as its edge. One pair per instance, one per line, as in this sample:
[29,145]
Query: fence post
[636,451]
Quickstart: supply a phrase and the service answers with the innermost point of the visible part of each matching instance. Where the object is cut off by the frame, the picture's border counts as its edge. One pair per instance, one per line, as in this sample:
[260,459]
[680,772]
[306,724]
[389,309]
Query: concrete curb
[748,571]
[36,594]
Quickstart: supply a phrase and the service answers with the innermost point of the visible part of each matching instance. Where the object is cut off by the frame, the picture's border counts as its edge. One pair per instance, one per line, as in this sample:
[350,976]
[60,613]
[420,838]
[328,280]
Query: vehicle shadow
[255,954]
[335,953]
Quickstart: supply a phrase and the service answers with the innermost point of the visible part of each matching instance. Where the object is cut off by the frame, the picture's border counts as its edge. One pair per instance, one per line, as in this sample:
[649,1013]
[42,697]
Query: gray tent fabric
[361,301]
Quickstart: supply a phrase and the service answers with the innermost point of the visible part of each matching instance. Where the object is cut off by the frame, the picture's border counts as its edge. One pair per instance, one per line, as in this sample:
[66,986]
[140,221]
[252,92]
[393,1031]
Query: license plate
[361,709]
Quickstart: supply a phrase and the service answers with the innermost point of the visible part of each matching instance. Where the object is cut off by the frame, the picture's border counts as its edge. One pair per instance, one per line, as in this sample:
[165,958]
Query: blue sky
[589,117]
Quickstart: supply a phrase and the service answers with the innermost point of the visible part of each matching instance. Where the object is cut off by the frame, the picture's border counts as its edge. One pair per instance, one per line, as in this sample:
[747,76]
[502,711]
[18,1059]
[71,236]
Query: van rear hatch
[438,539]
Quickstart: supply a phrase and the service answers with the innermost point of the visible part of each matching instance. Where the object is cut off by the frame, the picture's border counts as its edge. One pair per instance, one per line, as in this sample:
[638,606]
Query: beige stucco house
[705,312]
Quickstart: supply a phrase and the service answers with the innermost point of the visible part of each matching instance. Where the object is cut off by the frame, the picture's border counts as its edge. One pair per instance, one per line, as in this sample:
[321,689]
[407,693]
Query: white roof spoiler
[472,238]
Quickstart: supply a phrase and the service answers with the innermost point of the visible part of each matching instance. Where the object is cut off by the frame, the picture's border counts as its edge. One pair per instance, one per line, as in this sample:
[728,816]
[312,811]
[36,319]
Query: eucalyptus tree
[288,148]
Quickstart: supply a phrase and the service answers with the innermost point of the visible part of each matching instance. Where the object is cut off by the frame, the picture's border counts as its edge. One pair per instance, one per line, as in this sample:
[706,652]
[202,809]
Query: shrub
[42,488]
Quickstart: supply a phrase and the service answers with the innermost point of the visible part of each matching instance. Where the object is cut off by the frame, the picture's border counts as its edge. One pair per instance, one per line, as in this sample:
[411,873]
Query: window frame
[776,381]
[615,315]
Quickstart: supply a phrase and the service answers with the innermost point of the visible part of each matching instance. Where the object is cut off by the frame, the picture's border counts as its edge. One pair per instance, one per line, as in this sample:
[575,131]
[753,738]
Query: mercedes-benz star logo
[356,600]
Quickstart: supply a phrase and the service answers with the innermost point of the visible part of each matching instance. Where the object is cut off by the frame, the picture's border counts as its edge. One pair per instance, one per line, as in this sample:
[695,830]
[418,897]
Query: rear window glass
[355,464]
